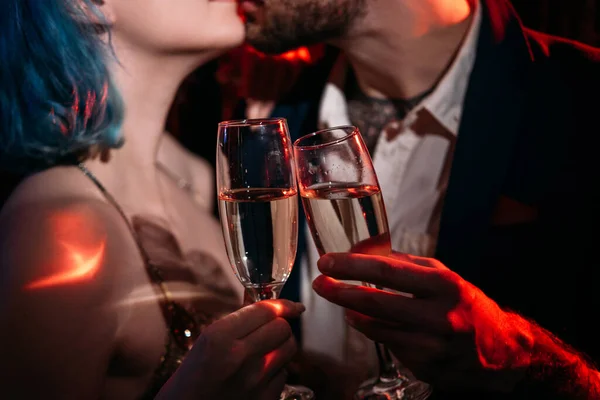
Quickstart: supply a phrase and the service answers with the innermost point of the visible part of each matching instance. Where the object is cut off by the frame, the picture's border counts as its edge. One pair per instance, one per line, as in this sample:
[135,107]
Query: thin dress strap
[154,273]
[182,327]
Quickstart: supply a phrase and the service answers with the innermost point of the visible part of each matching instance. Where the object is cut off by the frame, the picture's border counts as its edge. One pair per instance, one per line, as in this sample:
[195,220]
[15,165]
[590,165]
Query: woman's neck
[148,84]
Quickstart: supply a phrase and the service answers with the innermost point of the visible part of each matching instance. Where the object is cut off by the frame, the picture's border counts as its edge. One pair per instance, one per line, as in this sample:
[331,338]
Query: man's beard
[288,24]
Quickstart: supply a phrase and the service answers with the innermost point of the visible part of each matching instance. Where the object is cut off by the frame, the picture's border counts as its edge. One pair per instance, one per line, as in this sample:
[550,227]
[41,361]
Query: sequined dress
[162,254]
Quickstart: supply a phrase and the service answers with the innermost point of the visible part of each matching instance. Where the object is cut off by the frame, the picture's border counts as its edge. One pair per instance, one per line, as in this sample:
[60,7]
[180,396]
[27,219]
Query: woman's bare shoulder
[62,250]
[59,184]
[57,224]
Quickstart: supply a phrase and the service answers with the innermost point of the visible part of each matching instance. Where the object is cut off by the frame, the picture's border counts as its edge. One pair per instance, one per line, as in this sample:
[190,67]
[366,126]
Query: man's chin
[269,48]
[275,45]
[269,45]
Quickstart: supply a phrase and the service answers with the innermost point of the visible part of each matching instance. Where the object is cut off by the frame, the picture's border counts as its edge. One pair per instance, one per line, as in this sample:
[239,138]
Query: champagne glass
[345,212]
[258,206]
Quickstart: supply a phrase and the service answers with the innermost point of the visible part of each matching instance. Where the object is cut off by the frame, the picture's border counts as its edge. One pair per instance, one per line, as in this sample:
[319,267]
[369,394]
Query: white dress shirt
[412,166]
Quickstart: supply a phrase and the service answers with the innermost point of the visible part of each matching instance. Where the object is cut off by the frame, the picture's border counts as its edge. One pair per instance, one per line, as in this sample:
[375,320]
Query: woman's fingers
[273,388]
[277,360]
[248,319]
[267,338]
[257,372]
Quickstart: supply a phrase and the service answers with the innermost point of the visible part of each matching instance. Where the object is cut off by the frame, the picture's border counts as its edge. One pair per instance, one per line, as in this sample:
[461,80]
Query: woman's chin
[233,38]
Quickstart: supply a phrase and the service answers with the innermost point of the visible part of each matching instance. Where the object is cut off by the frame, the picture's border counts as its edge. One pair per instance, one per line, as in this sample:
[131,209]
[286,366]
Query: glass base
[398,389]
[294,392]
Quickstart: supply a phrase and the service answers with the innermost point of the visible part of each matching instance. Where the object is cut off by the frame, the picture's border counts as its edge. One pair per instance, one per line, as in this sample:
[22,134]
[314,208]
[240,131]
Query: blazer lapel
[490,125]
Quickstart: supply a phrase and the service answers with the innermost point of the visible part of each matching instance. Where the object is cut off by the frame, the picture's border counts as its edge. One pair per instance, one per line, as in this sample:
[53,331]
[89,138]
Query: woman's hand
[242,355]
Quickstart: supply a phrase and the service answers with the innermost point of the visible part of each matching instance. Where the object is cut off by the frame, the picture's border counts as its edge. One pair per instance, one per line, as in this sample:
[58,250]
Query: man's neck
[401,48]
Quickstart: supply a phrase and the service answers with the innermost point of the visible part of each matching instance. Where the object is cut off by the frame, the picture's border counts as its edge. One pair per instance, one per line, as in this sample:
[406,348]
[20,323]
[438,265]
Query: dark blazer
[521,214]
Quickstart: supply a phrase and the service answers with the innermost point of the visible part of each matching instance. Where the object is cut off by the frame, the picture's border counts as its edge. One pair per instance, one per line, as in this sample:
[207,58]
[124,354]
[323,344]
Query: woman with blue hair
[111,265]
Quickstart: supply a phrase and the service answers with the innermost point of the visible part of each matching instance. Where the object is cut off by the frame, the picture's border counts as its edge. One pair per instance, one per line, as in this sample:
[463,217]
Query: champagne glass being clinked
[345,212]
[258,207]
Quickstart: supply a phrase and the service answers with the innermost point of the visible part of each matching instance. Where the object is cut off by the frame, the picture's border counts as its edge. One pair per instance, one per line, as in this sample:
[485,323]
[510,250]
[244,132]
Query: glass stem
[388,371]
[266,296]
[259,293]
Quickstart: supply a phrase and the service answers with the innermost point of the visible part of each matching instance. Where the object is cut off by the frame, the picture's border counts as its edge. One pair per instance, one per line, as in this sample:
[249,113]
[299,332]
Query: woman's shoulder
[57,225]
[62,274]
[59,184]
[52,192]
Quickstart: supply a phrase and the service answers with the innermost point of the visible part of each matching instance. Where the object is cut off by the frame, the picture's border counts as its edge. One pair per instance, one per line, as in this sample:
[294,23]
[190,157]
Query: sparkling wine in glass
[260,236]
[345,212]
[258,207]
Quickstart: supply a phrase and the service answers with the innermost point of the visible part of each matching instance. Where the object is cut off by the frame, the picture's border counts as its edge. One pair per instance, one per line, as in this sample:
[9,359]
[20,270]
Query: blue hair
[57,100]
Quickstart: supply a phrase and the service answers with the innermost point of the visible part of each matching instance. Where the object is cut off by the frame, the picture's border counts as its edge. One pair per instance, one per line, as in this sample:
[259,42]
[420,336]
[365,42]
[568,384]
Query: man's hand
[448,333]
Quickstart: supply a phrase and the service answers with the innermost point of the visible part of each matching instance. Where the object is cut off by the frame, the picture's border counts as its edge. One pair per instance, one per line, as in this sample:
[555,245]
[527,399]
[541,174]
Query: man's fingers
[385,332]
[423,261]
[417,351]
[400,275]
[390,307]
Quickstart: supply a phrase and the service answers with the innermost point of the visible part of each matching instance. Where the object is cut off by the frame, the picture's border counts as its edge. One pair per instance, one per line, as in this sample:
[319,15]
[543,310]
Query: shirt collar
[445,103]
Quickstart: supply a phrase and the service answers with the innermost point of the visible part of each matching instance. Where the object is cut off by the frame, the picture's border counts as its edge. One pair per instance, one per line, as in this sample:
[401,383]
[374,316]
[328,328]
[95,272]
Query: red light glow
[83,265]
[77,250]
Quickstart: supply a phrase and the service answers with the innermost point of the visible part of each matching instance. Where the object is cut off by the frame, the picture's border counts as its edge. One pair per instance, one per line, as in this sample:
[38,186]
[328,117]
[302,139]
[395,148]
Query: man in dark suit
[485,139]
